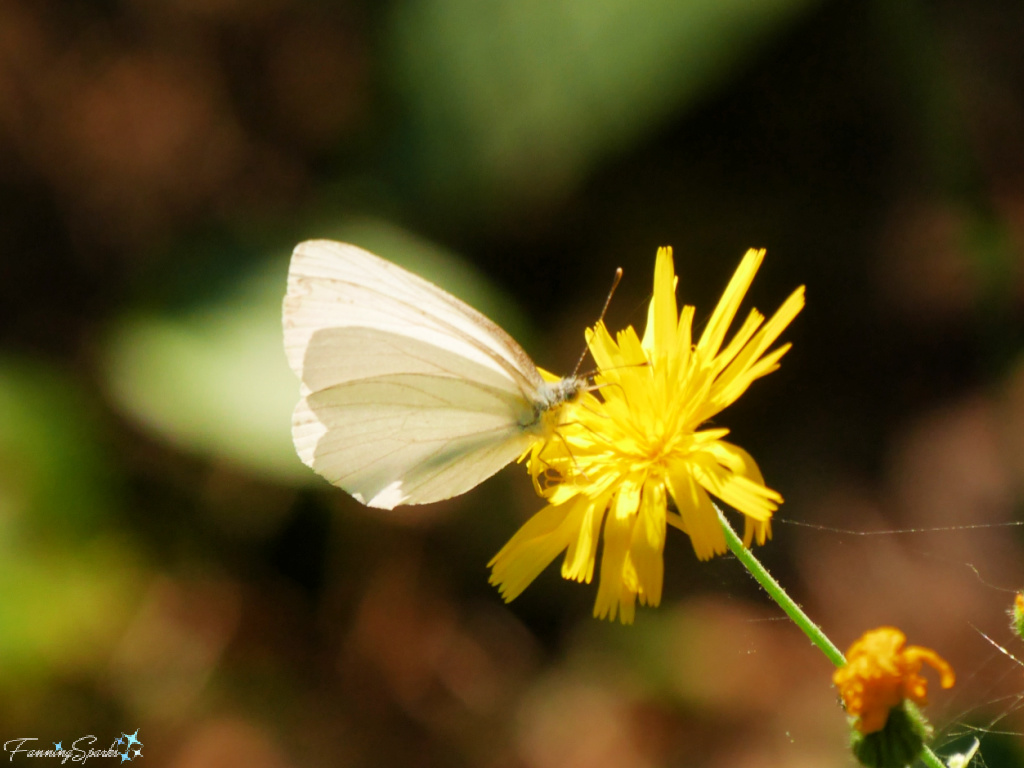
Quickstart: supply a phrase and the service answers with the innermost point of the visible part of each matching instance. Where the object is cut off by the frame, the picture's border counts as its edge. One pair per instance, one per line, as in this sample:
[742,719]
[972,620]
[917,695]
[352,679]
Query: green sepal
[898,744]
[1017,619]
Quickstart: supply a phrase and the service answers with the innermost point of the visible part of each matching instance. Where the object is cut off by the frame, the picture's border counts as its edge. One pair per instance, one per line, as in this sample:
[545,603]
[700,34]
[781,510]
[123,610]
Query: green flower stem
[795,612]
[778,594]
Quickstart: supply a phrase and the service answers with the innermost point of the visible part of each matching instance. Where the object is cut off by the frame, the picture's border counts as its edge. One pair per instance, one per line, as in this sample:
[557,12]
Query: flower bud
[1017,615]
[881,686]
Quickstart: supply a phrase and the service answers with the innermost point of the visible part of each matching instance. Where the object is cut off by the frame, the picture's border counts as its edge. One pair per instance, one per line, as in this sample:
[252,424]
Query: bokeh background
[167,564]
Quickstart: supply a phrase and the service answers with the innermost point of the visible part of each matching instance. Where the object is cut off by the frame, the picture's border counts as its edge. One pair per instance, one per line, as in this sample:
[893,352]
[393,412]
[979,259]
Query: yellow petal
[698,515]
[659,337]
[613,596]
[748,364]
[579,560]
[711,340]
[916,654]
[739,492]
[534,546]
[756,530]
[738,341]
[648,545]
[735,459]
[602,346]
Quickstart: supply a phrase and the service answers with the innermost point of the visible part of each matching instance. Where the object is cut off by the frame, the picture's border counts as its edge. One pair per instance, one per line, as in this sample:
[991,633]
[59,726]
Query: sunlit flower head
[880,673]
[637,454]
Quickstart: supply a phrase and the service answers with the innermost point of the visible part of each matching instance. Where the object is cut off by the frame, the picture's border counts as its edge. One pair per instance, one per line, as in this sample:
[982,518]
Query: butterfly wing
[336,285]
[408,438]
[409,395]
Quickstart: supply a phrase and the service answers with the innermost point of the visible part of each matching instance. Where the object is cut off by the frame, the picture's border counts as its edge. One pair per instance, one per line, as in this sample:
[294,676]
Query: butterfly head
[555,393]
[548,401]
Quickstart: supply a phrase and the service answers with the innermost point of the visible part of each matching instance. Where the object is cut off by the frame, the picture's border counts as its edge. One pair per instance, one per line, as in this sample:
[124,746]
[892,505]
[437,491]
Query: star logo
[56,745]
[132,745]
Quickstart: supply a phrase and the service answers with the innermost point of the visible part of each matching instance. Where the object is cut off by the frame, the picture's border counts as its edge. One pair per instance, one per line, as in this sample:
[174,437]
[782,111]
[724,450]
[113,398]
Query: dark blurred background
[166,562]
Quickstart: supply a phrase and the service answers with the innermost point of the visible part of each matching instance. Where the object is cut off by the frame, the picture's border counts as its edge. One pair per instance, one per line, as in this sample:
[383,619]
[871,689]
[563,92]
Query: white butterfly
[408,394]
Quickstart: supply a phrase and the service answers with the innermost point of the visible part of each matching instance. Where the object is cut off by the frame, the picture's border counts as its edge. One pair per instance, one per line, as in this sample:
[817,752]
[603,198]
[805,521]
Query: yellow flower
[622,455]
[880,673]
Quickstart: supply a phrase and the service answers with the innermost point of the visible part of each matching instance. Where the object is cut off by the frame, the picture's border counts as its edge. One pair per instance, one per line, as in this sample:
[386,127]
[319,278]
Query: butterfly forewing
[335,285]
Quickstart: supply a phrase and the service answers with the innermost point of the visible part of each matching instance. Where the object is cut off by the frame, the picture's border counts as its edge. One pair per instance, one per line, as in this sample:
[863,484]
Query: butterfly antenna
[607,302]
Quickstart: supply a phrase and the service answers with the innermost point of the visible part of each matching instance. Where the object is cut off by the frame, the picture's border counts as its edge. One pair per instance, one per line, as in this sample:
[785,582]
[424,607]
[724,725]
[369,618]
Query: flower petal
[739,492]
[614,597]
[736,460]
[880,673]
[579,560]
[756,530]
[697,513]
[648,545]
[748,365]
[711,340]
[534,546]
[659,338]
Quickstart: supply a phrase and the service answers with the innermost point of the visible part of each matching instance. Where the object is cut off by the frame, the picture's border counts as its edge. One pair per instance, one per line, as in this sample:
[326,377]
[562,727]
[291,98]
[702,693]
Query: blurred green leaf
[63,609]
[55,478]
[511,100]
[214,379]
[65,585]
